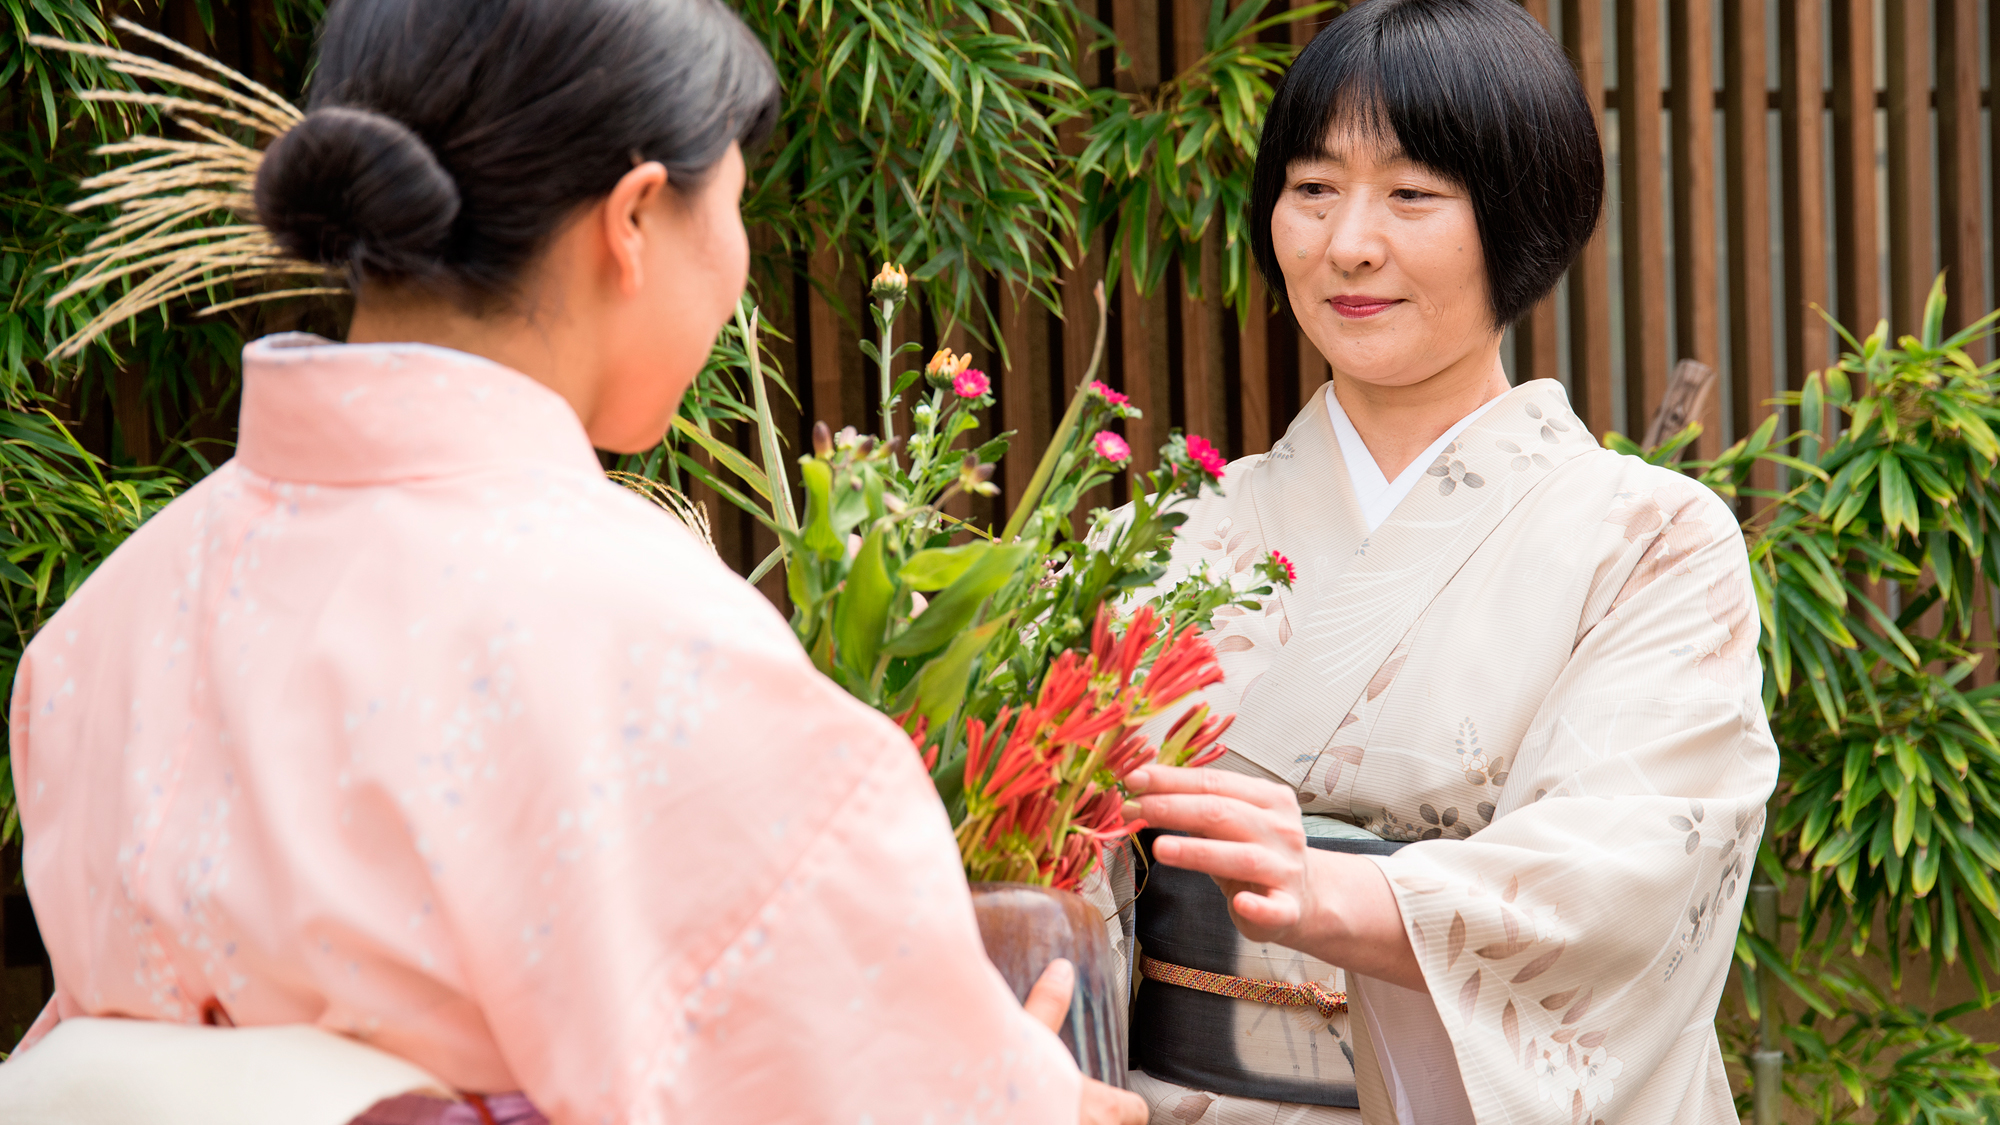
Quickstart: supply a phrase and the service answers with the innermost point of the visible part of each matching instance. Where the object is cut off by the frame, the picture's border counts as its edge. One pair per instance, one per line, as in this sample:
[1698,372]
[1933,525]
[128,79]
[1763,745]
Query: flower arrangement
[1027,684]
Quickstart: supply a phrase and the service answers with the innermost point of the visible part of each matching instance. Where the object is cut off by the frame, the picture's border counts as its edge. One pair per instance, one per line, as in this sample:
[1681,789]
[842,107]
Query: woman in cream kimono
[1532,659]
[408,724]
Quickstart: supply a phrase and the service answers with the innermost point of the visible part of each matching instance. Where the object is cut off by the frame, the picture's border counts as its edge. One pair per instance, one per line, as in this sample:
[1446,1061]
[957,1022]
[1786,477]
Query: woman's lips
[1360,308]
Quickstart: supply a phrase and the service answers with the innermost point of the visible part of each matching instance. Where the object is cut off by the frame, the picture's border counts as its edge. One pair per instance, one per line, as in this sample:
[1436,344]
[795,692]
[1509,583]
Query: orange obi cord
[1308,995]
[479,1105]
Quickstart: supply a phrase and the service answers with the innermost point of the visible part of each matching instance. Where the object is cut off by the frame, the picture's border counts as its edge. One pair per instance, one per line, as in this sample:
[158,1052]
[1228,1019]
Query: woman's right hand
[1245,834]
[1100,1104]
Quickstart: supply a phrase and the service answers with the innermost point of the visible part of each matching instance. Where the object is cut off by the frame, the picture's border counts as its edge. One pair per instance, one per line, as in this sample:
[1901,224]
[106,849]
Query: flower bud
[892,284]
[822,440]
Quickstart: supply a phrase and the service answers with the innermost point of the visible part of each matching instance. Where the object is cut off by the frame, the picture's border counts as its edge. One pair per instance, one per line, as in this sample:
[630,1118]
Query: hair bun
[352,188]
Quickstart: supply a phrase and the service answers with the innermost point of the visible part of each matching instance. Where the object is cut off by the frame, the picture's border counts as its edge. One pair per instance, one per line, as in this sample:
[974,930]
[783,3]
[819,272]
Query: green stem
[1032,495]
[767,428]
[884,354]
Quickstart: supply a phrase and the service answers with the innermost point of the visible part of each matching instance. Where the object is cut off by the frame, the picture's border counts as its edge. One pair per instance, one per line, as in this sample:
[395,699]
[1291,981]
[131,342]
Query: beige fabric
[1543,669]
[146,1072]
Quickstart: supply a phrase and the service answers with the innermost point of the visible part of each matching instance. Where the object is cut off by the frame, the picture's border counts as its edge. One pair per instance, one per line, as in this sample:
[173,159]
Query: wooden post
[1802,108]
[1746,101]
[1642,210]
[1856,235]
[1024,402]
[1537,351]
[1687,396]
[1697,326]
[1142,338]
[1204,397]
[1961,234]
[1907,27]
[1590,277]
[1253,357]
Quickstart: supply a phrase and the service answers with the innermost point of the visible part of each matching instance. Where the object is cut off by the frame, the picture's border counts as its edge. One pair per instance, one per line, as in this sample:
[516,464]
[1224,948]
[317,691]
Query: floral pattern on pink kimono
[408,724]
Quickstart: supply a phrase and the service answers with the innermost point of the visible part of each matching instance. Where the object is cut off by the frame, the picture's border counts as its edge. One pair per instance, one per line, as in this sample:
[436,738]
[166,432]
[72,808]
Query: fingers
[1108,1105]
[1265,914]
[1222,818]
[1251,863]
[1218,783]
[1048,1001]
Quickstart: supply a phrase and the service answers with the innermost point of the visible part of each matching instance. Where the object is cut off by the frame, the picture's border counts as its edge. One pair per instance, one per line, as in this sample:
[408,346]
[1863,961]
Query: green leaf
[820,538]
[1898,501]
[940,566]
[862,611]
[940,687]
[953,608]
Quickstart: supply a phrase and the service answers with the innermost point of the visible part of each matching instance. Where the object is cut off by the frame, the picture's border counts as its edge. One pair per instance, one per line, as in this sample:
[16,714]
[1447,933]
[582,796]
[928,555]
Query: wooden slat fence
[1764,157]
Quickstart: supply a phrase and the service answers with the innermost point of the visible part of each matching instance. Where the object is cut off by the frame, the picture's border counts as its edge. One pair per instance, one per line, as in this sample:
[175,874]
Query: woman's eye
[1312,189]
[1410,195]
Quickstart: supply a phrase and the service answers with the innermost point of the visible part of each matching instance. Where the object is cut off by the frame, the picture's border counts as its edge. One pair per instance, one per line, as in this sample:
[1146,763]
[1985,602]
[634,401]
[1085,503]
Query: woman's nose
[1356,240]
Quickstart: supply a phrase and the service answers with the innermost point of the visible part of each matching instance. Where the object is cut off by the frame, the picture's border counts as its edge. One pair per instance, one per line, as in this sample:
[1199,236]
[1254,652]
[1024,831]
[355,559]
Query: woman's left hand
[1246,834]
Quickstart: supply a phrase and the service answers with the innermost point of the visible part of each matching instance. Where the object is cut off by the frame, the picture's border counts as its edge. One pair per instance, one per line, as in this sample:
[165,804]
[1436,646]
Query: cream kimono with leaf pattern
[1542,669]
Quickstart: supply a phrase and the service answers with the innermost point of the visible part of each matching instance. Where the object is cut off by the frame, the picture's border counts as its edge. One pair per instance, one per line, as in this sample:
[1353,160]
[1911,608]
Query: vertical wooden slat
[1024,398]
[1961,233]
[1537,352]
[1907,31]
[1203,395]
[1746,100]
[1697,327]
[1253,357]
[1642,211]
[1142,344]
[1993,138]
[1143,319]
[1313,371]
[837,380]
[1856,236]
[1590,277]
[1802,110]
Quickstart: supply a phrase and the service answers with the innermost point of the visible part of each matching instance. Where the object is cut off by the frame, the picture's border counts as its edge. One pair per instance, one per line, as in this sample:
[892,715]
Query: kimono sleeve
[1577,946]
[700,883]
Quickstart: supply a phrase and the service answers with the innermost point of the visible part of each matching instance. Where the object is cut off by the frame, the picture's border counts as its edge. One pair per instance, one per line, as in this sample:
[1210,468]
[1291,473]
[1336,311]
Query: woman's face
[694,260]
[1382,261]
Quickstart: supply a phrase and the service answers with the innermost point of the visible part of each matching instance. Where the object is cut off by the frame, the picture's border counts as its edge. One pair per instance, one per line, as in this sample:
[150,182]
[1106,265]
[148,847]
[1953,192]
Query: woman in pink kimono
[407,724]
[1512,699]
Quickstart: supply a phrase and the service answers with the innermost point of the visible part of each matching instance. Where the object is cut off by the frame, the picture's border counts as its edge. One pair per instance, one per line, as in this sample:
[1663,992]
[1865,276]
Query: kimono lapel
[1355,612]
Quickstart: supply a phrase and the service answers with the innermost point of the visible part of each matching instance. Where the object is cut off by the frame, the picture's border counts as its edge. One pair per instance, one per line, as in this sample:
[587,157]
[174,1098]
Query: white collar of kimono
[1377,494]
[356,414]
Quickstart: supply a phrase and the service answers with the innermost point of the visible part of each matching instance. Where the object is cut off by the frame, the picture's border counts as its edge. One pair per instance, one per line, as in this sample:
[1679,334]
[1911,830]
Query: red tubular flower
[1291,573]
[1185,665]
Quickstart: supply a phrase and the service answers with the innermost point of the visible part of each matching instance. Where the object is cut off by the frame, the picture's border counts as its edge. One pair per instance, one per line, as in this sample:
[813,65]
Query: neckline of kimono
[319,412]
[1377,495]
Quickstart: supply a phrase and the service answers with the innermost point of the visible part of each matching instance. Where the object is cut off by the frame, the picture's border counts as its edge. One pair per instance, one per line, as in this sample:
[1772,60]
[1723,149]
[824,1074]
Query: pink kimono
[407,723]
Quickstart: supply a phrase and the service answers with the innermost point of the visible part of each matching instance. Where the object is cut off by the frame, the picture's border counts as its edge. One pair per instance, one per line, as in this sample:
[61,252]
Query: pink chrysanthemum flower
[1112,448]
[1206,455]
[1107,394]
[971,383]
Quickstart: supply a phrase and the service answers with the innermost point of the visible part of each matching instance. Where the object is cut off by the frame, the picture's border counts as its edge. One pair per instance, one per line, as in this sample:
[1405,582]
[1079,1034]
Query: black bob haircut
[447,140]
[1473,90]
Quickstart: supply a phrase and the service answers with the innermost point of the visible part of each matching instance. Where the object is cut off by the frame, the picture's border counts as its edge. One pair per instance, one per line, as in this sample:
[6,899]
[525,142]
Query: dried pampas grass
[677,504]
[175,183]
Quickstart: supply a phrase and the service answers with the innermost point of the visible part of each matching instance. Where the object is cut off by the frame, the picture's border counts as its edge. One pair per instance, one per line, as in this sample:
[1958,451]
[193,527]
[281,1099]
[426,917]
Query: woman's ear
[623,234]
